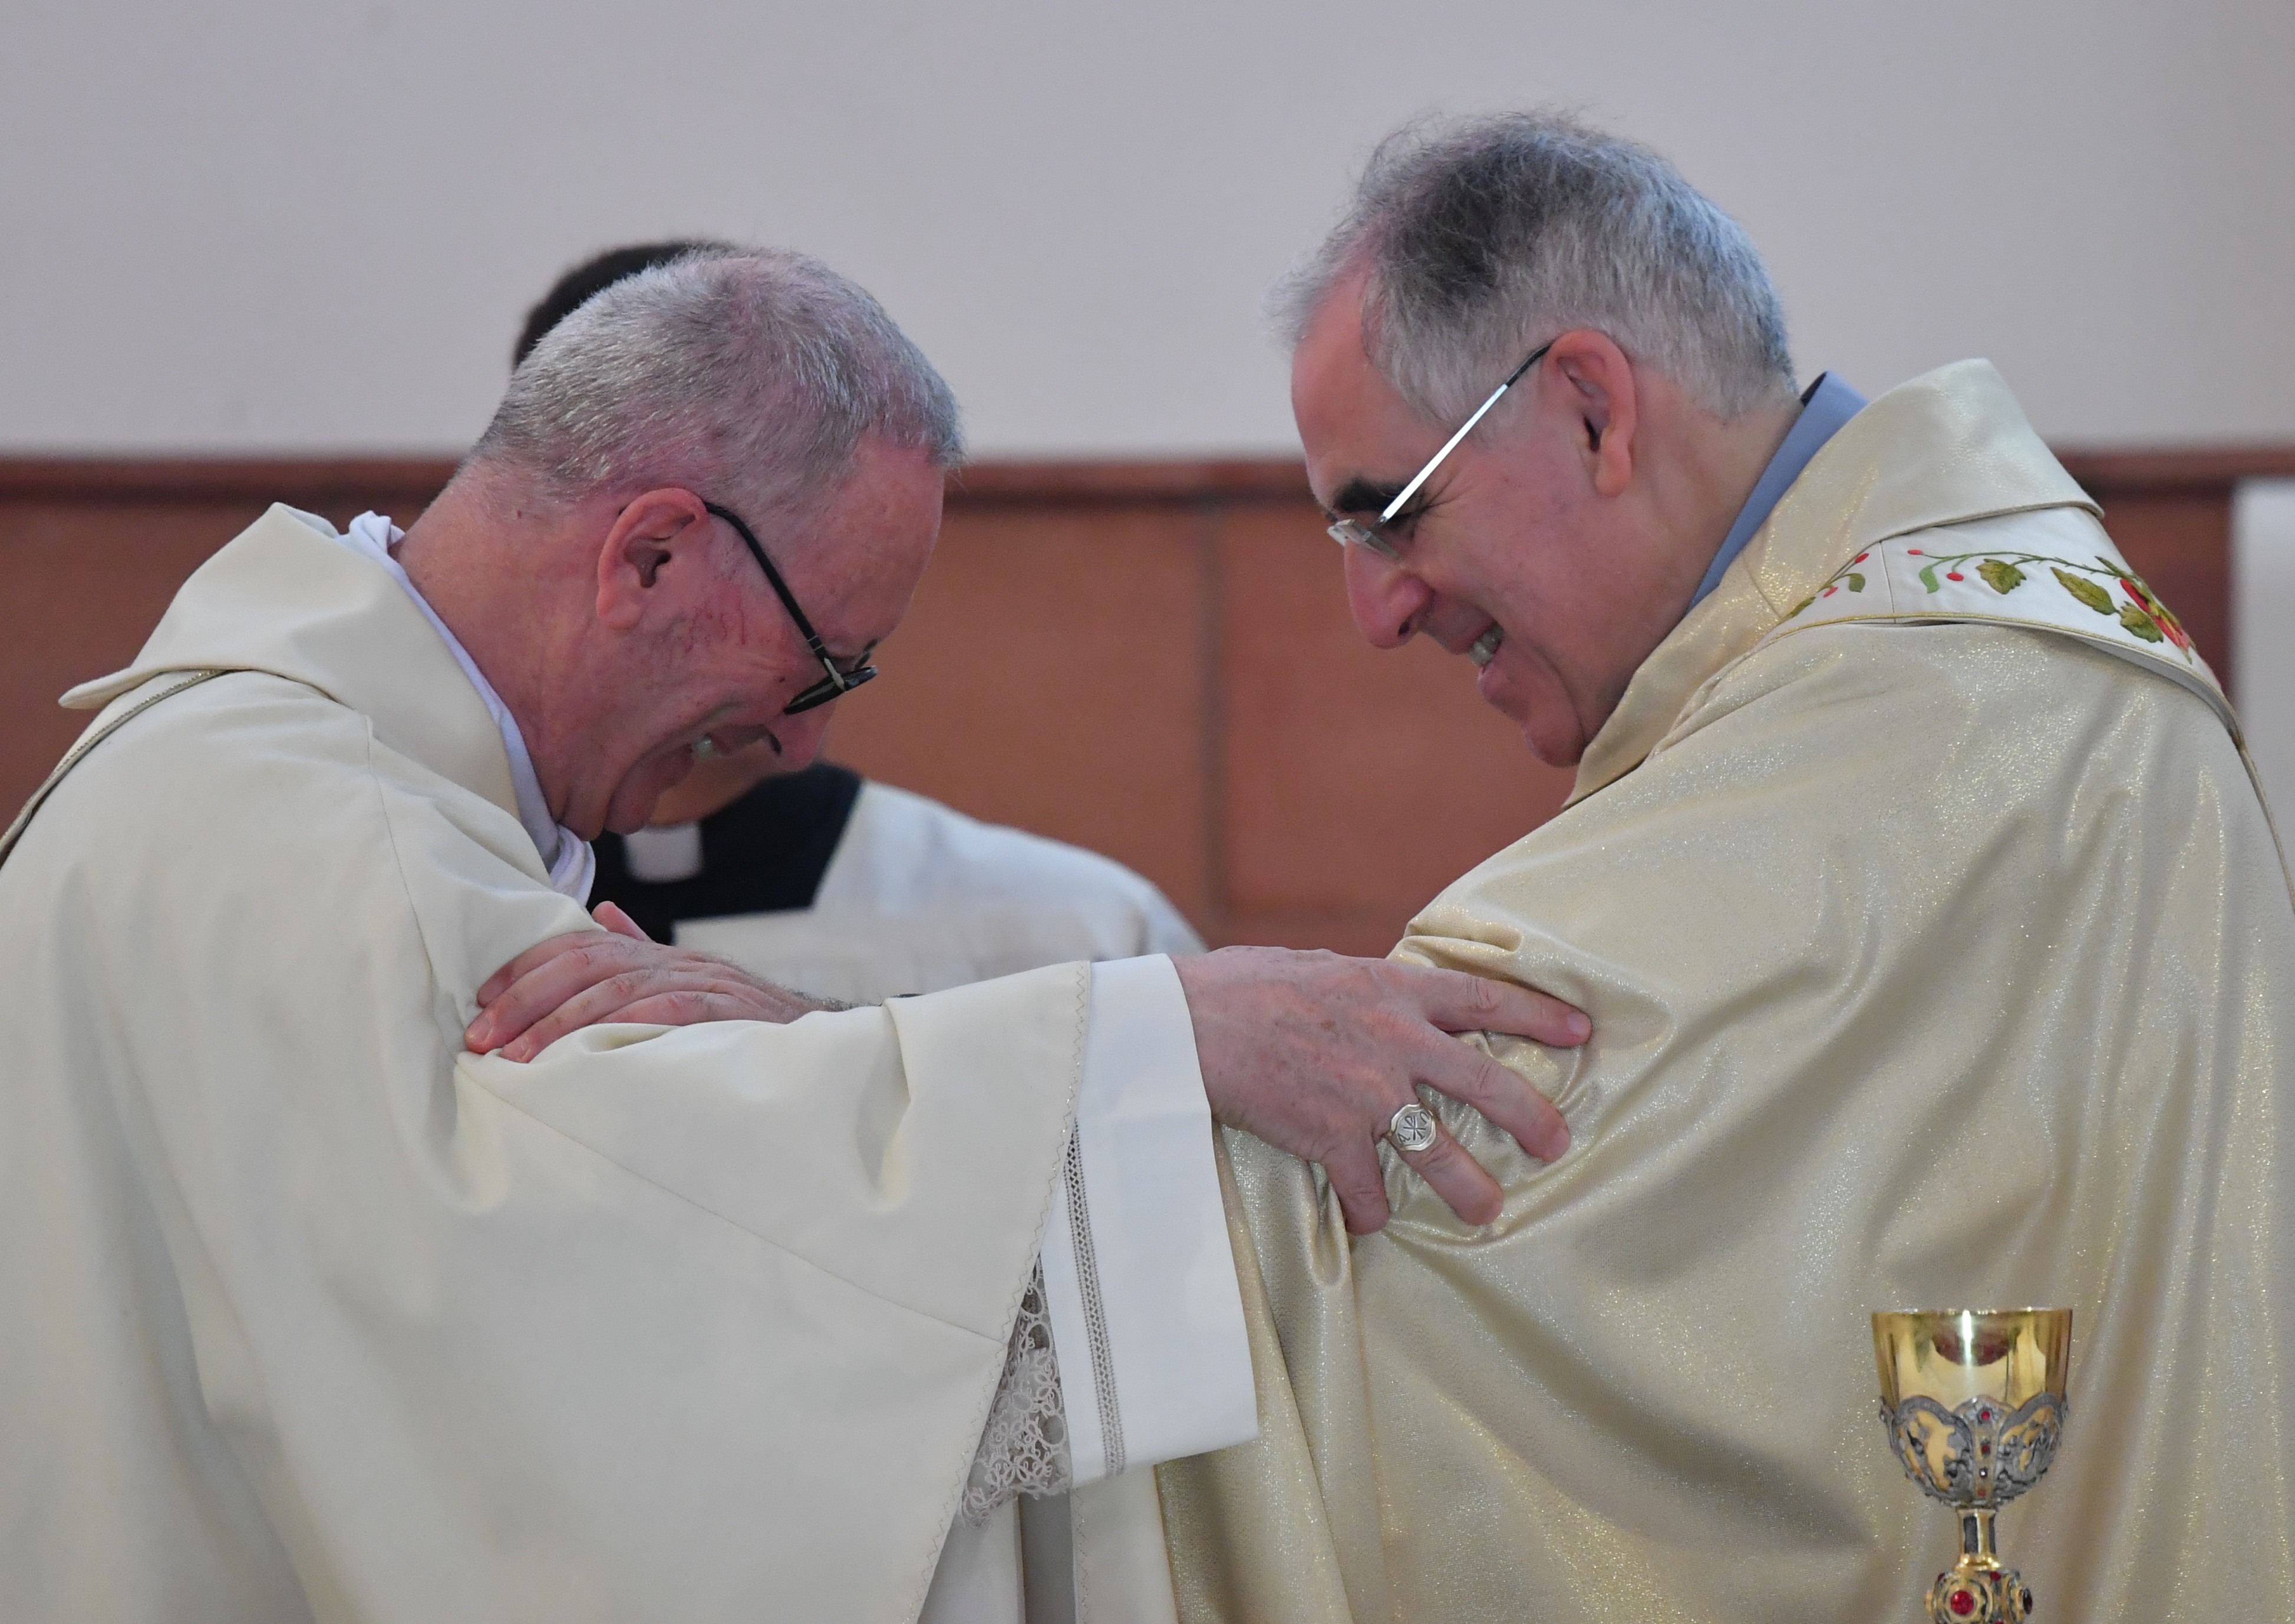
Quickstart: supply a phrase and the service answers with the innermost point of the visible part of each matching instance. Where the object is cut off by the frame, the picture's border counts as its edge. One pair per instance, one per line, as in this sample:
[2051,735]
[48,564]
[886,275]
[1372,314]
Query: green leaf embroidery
[2136,621]
[1928,577]
[1856,583]
[1999,576]
[2086,592]
[1803,604]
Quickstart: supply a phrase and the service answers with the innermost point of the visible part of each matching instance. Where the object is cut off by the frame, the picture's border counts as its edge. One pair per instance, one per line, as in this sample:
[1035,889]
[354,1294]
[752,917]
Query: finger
[614,918]
[1457,1178]
[530,960]
[613,999]
[1360,1185]
[598,956]
[1456,1001]
[592,1006]
[1465,1074]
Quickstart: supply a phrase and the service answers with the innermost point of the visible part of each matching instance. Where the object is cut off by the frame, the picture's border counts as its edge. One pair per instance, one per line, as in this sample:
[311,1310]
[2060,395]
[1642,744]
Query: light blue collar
[1829,404]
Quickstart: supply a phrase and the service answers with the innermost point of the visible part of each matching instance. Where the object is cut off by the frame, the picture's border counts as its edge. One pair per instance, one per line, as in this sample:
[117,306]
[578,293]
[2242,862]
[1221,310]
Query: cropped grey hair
[749,376]
[1485,237]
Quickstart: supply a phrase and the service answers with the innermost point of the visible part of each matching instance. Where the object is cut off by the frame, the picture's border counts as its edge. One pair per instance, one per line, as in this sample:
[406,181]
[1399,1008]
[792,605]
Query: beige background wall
[272,227]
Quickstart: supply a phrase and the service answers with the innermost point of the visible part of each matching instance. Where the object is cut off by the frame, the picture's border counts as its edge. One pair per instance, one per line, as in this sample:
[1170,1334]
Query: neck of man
[1711,465]
[515,623]
[1695,471]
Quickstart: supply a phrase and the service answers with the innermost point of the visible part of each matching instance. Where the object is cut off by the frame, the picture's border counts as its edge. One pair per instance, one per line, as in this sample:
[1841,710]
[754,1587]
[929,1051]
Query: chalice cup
[1973,1400]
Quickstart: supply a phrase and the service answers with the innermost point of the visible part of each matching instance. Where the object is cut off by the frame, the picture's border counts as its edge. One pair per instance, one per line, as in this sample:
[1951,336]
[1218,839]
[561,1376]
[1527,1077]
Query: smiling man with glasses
[1937,941]
[852,887]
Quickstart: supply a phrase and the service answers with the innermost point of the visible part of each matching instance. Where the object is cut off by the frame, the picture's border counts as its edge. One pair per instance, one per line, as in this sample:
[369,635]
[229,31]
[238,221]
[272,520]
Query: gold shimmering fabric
[1939,954]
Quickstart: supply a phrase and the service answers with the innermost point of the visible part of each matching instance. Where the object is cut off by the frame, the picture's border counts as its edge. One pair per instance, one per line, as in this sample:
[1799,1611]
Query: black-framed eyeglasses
[838,682]
[1373,536]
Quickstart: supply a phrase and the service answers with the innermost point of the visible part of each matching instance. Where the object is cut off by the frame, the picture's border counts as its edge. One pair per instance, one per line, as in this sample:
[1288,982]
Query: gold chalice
[1973,1400]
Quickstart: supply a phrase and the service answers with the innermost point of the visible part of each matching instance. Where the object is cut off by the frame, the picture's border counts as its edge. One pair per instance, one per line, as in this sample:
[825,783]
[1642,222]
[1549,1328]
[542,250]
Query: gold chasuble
[1939,954]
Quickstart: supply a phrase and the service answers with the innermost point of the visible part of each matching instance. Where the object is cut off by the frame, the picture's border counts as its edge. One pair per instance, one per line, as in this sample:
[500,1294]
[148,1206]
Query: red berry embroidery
[1954,575]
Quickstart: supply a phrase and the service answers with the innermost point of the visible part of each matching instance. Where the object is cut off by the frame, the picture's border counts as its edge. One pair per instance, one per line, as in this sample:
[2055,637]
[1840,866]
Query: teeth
[704,748]
[1486,646]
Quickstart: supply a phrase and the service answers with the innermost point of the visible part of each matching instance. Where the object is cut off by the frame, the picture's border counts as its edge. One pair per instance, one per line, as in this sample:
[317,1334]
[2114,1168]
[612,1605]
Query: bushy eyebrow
[1361,495]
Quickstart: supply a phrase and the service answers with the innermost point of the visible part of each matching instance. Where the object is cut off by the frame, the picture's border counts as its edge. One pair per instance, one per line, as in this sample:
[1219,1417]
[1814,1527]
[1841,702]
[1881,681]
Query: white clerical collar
[572,865]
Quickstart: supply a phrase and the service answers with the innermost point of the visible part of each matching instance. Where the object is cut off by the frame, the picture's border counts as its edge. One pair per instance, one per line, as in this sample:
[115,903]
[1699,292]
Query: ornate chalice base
[1974,1401]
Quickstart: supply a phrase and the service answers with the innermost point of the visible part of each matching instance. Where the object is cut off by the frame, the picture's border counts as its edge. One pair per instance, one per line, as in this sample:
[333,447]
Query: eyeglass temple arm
[1464,429]
[781,589]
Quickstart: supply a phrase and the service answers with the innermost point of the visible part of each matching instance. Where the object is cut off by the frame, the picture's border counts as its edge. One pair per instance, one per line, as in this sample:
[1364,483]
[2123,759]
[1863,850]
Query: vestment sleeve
[1146,1318]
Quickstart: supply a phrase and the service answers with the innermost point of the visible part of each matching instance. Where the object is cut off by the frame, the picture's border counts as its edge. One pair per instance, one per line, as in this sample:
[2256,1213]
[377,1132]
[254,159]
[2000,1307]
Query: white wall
[304,224]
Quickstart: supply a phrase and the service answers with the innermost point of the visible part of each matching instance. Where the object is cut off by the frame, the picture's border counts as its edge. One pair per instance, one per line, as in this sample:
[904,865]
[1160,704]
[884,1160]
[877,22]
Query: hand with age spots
[618,973]
[1315,1053]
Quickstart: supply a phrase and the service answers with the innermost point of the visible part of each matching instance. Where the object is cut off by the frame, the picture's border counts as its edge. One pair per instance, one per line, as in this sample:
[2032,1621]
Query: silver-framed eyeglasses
[838,681]
[1373,536]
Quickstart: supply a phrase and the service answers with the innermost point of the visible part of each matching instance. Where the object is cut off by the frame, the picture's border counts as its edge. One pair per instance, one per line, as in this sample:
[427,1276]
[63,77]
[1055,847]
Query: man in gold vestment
[1937,946]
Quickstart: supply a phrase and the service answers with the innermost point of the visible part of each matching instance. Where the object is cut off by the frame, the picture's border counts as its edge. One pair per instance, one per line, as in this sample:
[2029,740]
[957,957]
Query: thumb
[610,915]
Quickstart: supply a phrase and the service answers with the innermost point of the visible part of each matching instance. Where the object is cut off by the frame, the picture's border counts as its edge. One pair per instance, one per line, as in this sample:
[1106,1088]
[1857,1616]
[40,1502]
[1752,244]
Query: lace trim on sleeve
[1024,1449]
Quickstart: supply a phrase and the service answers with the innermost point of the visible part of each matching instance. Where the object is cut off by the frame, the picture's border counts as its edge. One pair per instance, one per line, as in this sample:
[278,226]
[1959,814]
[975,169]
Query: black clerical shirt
[764,854]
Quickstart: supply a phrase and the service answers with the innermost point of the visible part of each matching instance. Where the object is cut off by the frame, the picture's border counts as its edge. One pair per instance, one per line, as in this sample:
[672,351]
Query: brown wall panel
[90,582]
[96,550]
[1052,674]
[1154,659]
[1358,782]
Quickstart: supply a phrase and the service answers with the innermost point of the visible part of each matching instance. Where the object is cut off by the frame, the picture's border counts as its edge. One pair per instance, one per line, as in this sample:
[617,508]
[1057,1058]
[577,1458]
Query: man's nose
[1388,601]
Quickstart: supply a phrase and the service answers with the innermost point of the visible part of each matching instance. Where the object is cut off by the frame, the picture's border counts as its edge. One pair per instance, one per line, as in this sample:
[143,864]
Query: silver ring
[1412,1128]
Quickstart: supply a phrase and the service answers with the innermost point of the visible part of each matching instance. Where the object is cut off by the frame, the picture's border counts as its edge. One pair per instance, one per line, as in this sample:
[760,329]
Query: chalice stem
[1976,1539]
[1977,1590]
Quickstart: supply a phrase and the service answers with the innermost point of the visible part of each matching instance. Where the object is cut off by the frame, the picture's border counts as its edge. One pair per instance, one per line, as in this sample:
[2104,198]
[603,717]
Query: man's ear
[657,531]
[1603,396]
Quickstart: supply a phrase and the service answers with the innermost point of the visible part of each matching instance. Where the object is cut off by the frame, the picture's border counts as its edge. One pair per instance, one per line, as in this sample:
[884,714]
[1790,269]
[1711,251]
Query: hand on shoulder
[618,973]
[1315,1053]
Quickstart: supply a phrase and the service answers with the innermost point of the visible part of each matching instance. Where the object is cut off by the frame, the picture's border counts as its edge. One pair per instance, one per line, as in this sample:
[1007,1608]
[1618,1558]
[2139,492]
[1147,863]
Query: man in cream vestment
[320,1310]
[1937,946]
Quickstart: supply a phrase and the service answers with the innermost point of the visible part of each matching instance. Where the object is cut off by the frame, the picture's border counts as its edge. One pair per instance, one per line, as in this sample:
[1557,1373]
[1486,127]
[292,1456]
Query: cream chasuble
[1939,955]
[314,1315]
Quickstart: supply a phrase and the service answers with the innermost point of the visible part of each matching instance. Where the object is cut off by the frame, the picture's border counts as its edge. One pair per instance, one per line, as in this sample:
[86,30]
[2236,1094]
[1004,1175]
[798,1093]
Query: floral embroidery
[2141,613]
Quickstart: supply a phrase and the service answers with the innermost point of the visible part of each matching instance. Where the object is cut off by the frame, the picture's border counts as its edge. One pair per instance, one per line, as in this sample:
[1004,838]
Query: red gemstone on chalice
[1963,1603]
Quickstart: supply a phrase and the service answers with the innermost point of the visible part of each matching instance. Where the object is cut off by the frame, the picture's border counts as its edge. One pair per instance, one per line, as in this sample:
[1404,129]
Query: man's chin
[1554,752]
[1548,726]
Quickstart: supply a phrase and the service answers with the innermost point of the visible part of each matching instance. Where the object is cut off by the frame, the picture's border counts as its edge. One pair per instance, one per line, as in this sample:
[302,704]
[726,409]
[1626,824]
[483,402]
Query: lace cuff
[1024,1449]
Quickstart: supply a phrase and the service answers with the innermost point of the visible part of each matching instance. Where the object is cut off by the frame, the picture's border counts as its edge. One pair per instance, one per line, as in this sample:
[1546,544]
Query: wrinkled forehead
[1361,438]
[864,552]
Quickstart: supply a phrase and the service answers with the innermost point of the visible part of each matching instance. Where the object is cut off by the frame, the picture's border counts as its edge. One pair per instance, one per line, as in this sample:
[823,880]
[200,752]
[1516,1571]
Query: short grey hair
[1485,237]
[749,376]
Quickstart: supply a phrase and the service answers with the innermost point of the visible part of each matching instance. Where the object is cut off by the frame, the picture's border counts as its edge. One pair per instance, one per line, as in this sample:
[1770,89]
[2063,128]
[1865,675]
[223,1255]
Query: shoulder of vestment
[2053,571]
